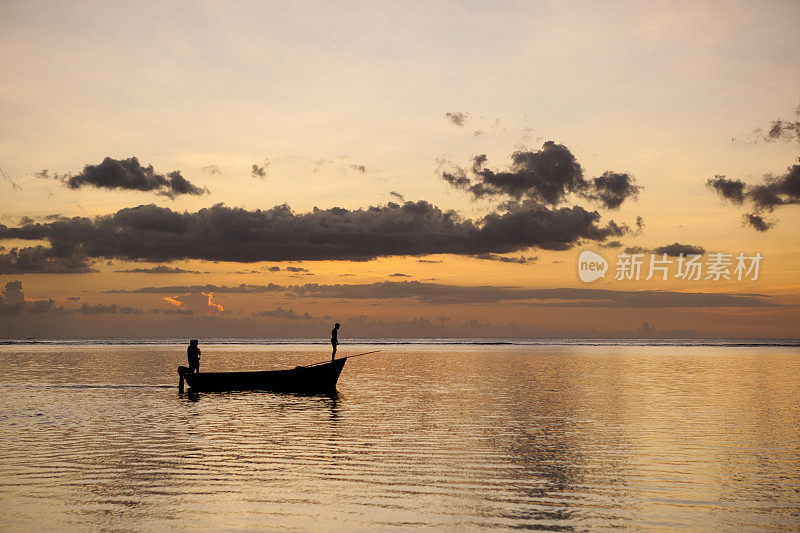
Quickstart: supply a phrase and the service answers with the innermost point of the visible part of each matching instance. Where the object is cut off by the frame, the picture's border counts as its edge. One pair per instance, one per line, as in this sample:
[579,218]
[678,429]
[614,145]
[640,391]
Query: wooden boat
[321,377]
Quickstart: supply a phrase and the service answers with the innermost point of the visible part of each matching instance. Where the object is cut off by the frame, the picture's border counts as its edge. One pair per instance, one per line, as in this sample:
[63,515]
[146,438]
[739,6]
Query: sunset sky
[406,169]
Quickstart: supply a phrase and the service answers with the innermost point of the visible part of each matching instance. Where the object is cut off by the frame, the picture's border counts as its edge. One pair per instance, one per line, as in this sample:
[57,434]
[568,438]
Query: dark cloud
[453,294]
[777,190]
[611,244]
[102,309]
[675,249]
[613,188]
[521,260]
[435,293]
[221,233]
[757,222]
[13,302]
[772,192]
[199,289]
[42,260]
[397,195]
[172,311]
[400,275]
[636,250]
[160,269]
[296,269]
[458,118]
[550,229]
[286,314]
[128,174]
[429,261]
[259,170]
[545,176]
[729,189]
[783,130]
[274,269]
[359,168]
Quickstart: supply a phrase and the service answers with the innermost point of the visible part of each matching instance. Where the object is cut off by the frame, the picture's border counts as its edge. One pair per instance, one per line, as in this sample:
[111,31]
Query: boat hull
[308,379]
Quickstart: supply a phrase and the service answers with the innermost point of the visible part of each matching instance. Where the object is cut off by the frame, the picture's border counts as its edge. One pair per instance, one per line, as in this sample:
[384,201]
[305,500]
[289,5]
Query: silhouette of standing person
[193,352]
[334,339]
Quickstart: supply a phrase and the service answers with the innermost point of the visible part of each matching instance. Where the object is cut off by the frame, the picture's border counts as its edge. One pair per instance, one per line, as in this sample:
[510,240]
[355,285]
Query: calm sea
[444,435]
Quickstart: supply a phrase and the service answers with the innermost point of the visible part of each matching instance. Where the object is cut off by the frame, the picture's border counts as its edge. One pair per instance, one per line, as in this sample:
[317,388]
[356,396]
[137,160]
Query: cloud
[128,174]
[42,260]
[102,309]
[613,188]
[260,169]
[636,250]
[211,170]
[296,269]
[14,185]
[729,189]
[359,168]
[639,225]
[221,233]
[400,275]
[757,222]
[546,176]
[772,192]
[457,118]
[201,301]
[188,289]
[286,314]
[521,260]
[397,195]
[13,301]
[443,294]
[675,249]
[172,311]
[160,269]
[783,130]
[434,293]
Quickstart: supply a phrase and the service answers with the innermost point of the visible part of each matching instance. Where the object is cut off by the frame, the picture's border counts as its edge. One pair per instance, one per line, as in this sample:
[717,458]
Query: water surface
[434,436]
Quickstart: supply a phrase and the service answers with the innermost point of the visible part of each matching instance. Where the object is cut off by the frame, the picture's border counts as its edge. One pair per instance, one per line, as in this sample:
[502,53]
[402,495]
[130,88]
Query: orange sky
[344,105]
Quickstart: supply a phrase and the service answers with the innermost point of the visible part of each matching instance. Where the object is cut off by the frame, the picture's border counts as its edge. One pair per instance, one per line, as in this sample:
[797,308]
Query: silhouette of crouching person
[193,353]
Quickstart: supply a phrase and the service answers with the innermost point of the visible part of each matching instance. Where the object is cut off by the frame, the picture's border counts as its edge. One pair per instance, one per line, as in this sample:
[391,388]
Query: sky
[406,169]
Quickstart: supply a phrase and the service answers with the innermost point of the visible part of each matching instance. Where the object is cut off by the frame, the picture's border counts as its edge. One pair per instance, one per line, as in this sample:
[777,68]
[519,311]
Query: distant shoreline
[433,341]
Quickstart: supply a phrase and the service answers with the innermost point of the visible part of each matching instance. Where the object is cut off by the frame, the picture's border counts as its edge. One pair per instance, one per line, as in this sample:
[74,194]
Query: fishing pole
[346,357]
